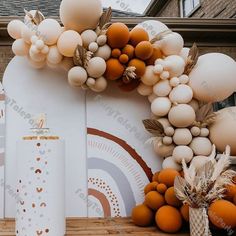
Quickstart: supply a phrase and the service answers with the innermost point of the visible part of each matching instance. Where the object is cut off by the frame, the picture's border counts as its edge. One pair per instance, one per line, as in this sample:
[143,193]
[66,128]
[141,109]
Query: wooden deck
[84,226]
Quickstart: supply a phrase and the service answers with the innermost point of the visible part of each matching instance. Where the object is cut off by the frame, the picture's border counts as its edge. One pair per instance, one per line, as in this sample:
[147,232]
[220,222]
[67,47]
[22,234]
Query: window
[188,6]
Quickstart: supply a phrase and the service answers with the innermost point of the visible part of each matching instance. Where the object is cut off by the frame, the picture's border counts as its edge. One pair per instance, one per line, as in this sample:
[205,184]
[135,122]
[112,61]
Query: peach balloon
[80,15]
[213,79]
[49,30]
[67,63]
[20,48]
[14,28]
[54,56]
[68,42]
[223,130]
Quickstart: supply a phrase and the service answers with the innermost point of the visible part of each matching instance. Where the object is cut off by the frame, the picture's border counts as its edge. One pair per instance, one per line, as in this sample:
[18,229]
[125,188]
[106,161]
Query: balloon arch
[180,85]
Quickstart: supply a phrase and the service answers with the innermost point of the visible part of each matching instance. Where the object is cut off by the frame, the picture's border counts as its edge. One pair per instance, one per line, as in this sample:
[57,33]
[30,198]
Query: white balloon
[88,36]
[153,27]
[103,52]
[213,79]
[96,67]
[161,106]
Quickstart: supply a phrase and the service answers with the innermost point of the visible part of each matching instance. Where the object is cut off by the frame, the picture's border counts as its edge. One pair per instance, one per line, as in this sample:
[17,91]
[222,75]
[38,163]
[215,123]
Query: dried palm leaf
[37,18]
[104,22]
[82,56]
[154,127]
[192,59]
[205,184]
[129,74]
[205,116]
[160,36]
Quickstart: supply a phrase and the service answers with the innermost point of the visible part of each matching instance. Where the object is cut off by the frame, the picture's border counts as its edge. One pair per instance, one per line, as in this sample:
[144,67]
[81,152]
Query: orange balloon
[142,215]
[139,65]
[167,177]
[123,58]
[184,210]
[117,35]
[150,187]
[161,188]
[171,198]
[222,214]
[114,69]
[129,51]
[138,35]
[154,200]
[144,50]
[168,219]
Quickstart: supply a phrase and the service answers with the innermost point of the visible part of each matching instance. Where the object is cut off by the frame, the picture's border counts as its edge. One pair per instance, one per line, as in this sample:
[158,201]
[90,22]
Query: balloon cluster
[180,85]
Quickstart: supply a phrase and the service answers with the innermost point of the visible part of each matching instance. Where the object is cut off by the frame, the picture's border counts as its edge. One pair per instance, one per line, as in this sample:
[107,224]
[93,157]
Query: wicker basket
[199,222]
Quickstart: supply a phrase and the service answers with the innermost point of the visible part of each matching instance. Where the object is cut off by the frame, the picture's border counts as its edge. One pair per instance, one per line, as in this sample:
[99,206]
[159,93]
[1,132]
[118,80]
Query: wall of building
[221,9]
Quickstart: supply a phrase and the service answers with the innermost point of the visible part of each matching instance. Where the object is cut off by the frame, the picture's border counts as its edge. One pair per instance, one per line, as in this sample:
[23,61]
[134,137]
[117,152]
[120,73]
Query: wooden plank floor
[98,227]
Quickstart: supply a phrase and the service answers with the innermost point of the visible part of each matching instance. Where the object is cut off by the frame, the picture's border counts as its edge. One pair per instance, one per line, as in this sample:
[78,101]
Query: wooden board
[95,226]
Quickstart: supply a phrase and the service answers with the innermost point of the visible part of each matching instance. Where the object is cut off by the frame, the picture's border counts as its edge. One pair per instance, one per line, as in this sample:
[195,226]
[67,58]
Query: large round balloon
[223,130]
[213,79]
[153,27]
[80,15]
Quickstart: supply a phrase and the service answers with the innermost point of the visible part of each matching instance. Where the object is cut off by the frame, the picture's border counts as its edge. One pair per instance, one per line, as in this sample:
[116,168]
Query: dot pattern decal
[36,185]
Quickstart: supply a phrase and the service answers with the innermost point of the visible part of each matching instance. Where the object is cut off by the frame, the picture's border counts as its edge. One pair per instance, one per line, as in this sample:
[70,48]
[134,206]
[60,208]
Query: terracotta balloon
[223,130]
[213,77]
[80,15]
[153,27]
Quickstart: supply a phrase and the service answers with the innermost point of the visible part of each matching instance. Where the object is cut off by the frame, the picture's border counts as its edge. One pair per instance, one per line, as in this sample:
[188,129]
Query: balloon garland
[180,85]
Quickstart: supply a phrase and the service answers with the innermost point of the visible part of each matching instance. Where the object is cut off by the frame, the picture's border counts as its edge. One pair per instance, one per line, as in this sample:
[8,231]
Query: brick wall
[171,9]
[5,56]
[209,9]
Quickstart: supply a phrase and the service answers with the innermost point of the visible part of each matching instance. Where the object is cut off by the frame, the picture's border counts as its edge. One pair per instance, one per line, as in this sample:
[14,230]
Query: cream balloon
[54,56]
[77,76]
[144,90]
[153,27]
[20,48]
[199,161]
[171,44]
[100,85]
[175,65]
[184,53]
[163,150]
[223,130]
[169,162]
[14,28]
[213,77]
[182,115]
[88,36]
[152,97]
[103,52]
[182,136]
[68,42]
[162,88]
[80,15]
[161,106]
[182,153]
[201,146]
[149,78]
[49,30]
[181,94]
[96,67]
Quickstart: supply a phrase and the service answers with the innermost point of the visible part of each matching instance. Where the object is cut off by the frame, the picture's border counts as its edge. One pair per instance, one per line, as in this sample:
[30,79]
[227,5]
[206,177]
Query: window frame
[191,12]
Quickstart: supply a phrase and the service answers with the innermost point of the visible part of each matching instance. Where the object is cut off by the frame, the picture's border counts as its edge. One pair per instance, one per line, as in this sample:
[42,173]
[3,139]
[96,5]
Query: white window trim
[191,12]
